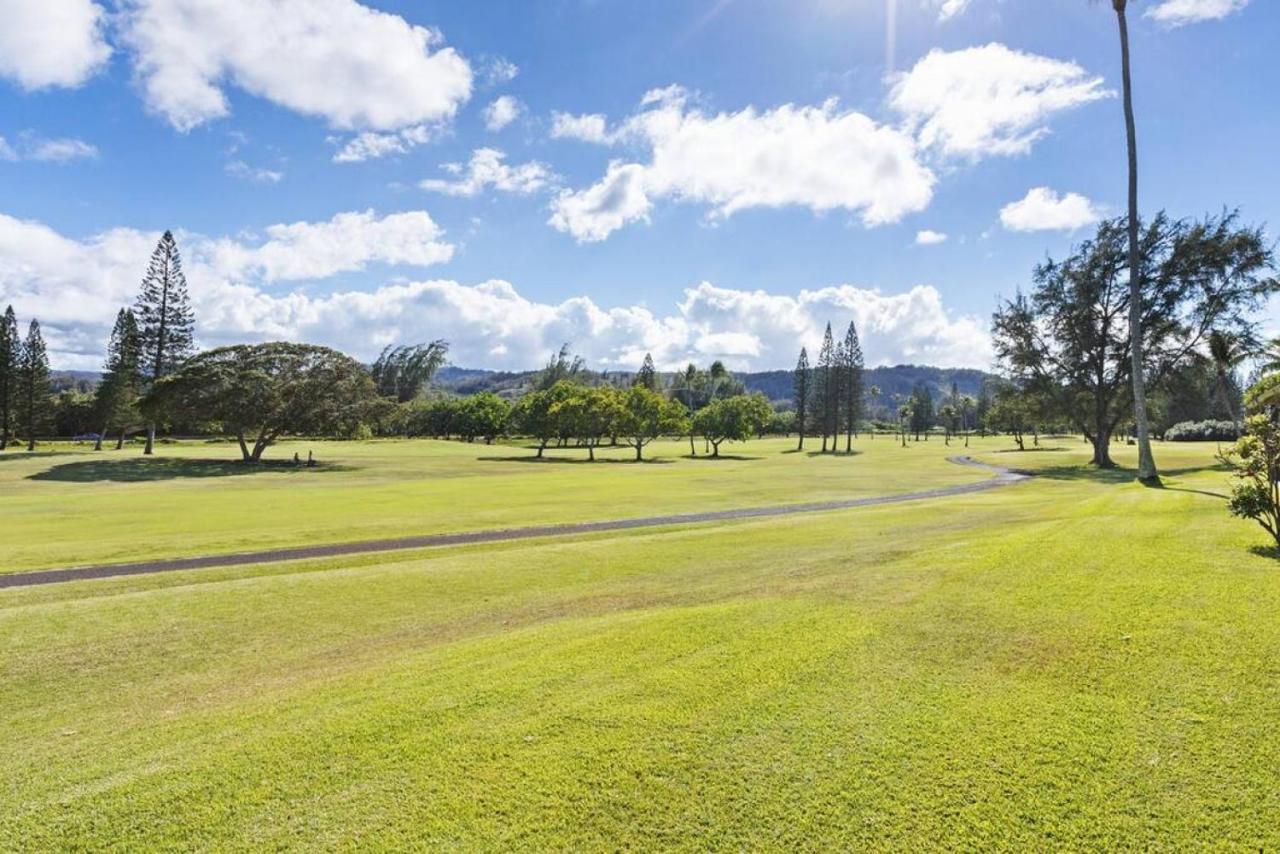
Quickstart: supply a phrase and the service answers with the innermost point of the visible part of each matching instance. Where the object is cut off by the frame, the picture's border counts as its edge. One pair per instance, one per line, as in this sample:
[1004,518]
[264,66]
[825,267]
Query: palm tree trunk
[1146,459]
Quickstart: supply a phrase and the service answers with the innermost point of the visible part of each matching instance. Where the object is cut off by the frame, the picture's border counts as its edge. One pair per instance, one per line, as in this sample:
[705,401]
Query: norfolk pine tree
[33,384]
[117,396]
[164,318]
[647,377]
[802,389]
[10,348]
[824,380]
[853,382]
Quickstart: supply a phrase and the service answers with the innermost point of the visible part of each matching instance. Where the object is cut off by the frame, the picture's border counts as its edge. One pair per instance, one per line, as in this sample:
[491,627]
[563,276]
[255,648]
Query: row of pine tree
[148,342]
[829,396]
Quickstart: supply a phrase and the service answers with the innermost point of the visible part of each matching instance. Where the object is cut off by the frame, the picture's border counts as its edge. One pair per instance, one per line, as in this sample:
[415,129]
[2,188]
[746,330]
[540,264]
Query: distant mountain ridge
[895,381]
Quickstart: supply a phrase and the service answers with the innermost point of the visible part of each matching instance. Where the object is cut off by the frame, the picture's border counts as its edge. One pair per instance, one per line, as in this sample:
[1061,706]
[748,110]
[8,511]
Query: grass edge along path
[1003,477]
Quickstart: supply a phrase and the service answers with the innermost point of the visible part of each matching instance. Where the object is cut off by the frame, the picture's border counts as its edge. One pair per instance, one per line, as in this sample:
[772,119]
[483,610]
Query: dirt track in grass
[1003,477]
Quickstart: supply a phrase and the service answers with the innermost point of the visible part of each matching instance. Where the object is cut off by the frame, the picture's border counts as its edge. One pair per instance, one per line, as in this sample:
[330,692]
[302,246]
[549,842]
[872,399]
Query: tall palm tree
[1227,351]
[1146,459]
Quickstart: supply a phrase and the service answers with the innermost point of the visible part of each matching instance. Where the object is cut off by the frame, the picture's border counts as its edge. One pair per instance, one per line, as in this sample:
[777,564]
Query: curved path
[1003,477]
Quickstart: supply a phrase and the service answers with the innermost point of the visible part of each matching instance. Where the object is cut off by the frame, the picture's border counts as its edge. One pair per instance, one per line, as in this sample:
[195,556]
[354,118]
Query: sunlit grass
[76,507]
[1077,661]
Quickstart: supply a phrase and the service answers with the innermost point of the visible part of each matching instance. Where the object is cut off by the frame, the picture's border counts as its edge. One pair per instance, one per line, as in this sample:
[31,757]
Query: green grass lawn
[74,507]
[1071,662]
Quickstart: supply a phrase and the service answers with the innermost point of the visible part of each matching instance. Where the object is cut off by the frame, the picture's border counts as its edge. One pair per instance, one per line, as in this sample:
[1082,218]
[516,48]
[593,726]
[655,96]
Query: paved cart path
[1003,477]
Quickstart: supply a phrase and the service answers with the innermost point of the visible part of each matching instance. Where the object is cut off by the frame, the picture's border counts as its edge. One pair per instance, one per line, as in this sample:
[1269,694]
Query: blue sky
[700,179]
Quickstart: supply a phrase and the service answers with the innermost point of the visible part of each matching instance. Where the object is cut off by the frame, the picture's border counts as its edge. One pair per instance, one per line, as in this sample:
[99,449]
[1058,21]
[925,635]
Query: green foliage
[73,413]
[1203,431]
[801,394]
[537,413]
[647,376]
[732,419]
[117,395]
[264,391]
[563,366]
[10,350]
[589,415]
[34,408]
[402,372]
[163,312]
[922,417]
[481,416]
[1255,464]
[645,415]
[1071,337]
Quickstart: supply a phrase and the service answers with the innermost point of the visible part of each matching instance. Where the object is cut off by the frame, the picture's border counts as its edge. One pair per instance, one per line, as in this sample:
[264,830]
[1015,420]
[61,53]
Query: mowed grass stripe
[1003,477]
[1032,667]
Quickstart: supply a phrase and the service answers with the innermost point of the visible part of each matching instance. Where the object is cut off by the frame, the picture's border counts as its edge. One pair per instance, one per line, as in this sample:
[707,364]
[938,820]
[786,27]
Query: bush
[1202,431]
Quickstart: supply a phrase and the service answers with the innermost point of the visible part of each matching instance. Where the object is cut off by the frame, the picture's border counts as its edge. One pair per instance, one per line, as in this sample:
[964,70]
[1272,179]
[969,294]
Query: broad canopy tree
[732,419]
[260,392]
[1070,338]
[645,415]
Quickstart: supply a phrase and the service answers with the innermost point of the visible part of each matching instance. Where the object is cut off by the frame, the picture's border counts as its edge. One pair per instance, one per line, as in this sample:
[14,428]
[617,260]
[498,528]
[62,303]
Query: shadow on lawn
[1125,475]
[577,461]
[1272,552]
[146,470]
[23,454]
[721,458]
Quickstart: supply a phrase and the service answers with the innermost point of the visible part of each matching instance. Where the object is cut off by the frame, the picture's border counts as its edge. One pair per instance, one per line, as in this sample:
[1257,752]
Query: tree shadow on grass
[1272,552]
[833,453]
[1120,475]
[721,458]
[577,461]
[23,454]
[143,470]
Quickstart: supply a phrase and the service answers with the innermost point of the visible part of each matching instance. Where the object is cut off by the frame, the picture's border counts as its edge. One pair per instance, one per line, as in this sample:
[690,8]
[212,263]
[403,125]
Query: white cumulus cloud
[76,286]
[820,157]
[46,43]
[930,238]
[318,250]
[588,128]
[355,67]
[1042,209]
[1180,13]
[501,112]
[488,168]
[371,145]
[989,100]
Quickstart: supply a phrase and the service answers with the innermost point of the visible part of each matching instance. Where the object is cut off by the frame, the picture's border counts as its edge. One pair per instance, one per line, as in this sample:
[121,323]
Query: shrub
[1202,431]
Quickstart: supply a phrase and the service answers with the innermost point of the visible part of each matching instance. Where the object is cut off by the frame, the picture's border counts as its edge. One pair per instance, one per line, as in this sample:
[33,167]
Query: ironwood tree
[403,371]
[1070,338]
